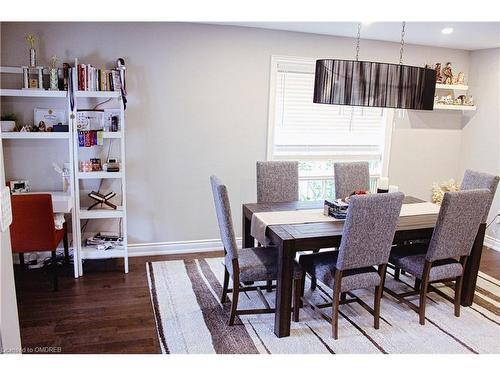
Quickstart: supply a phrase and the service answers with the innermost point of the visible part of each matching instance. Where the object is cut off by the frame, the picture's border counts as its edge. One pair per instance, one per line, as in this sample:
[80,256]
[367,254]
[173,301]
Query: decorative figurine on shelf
[470,100]
[448,74]
[460,78]
[437,68]
[462,99]
[102,199]
[31,39]
[26,129]
[42,127]
[54,79]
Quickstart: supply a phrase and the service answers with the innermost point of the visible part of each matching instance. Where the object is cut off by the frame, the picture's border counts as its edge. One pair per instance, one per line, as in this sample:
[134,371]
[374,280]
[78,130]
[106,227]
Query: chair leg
[458,294]
[54,265]
[378,297]
[224,286]
[269,285]
[21,260]
[397,270]
[234,300]
[417,284]
[423,291]
[314,282]
[335,305]
[66,244]
[297,293]
[302,288]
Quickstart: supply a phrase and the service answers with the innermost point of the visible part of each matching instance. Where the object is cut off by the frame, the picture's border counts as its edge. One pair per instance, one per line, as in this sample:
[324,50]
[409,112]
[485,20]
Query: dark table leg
[284,288]
[247,239]
[472,268]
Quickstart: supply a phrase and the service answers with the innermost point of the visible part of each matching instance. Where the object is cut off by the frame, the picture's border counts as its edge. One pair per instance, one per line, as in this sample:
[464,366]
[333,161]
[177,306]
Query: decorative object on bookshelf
[31,39]
[111,166]
[32,81]
[19,186]
[101,199]
[89,138]
[50,116]
[460,78]
[53,73]
[448,75]
[8,122]
[96,164]
[439,77]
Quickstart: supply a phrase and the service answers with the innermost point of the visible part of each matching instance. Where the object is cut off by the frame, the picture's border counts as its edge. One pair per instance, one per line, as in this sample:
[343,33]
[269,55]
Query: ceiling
[465,35]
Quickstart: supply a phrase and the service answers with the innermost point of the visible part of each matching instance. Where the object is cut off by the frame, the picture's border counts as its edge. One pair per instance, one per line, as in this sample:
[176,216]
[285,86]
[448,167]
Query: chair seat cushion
[322,266]
[411,258]
[260,264]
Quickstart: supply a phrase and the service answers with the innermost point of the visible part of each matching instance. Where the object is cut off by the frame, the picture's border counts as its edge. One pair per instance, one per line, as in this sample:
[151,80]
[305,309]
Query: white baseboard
[175,247]
[492,242]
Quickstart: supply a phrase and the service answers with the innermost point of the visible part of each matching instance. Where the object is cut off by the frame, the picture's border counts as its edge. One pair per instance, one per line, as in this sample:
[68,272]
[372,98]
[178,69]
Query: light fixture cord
[402,43]
[358,37]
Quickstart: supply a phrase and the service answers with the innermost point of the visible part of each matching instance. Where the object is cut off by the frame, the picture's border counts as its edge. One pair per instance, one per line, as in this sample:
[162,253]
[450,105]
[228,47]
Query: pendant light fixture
[374,84]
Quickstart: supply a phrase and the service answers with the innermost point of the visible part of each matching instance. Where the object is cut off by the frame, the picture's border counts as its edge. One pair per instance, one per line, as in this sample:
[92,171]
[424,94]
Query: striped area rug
[190,319]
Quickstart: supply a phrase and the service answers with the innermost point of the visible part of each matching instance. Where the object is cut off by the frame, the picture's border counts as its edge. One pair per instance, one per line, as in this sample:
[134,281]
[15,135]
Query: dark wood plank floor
[106,311]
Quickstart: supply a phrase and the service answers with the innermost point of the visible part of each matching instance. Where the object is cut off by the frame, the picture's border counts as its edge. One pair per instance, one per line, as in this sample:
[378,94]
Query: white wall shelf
[441,86]
[101,213]
[34,93]
[455,107]
[35,135]
[99,175]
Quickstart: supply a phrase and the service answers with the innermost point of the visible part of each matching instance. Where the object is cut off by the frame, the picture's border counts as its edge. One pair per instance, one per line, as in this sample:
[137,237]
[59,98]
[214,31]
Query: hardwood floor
[106,311]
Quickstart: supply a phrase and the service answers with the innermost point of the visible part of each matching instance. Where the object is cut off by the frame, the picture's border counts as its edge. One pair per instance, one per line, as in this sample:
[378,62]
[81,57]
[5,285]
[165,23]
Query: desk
[61,202]
[291,238]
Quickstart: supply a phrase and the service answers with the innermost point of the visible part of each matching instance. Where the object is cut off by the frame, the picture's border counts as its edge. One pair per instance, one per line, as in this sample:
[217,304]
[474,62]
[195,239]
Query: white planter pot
[8,126]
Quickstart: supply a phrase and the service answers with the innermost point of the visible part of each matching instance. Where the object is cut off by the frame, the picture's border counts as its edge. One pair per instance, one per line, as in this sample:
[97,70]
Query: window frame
[274,63]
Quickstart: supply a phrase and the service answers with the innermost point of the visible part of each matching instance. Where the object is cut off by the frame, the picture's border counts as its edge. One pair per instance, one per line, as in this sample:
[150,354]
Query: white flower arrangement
[438,190]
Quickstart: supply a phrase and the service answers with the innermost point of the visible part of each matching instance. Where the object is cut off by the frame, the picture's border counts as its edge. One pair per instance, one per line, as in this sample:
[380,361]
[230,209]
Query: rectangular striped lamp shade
[373,84]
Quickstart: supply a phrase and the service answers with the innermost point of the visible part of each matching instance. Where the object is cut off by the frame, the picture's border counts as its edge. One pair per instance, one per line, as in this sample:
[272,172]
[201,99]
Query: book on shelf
[91,78]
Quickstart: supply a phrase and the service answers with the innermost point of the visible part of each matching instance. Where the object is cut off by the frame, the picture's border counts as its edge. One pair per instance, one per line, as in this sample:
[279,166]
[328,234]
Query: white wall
[198,105]
[480,149]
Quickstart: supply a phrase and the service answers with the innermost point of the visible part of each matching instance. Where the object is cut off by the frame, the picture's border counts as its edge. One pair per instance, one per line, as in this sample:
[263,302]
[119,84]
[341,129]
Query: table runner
[261,220]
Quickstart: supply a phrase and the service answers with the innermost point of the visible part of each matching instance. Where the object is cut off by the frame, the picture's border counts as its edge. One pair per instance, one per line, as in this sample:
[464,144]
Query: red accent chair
[33,228]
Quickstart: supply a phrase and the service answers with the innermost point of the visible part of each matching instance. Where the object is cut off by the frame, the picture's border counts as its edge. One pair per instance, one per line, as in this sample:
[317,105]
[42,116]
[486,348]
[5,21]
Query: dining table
[291,238]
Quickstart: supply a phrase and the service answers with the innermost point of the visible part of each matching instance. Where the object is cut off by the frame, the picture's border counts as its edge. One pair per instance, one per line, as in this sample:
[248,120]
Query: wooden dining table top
[330,228]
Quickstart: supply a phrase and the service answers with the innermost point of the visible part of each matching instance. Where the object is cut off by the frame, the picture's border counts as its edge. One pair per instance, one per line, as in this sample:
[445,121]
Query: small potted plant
[8,122]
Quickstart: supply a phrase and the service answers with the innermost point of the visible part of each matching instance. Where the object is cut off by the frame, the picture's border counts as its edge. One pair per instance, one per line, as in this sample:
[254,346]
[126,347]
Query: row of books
[92,79]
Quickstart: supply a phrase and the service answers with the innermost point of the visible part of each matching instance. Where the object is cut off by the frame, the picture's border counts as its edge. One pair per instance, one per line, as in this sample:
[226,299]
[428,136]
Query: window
[318,135]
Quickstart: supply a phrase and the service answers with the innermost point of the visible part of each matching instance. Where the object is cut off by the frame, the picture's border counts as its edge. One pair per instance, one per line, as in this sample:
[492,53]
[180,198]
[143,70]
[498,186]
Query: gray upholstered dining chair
[351,177]
[471,180]
[277,181]
[458,221]
[366,242]
[244,265]
[479,180]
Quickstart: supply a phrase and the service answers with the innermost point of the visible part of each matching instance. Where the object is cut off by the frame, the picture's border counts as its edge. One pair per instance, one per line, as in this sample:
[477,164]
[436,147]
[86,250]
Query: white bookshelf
[62,98]
[83,214]
[442,86]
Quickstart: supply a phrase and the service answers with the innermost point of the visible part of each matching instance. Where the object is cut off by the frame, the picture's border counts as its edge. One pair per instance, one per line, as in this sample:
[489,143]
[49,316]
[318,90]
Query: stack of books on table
[337,209]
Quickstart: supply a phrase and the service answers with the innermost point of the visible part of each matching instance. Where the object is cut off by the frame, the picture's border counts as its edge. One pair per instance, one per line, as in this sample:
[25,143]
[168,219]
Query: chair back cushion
[277,181]
[33,227]
[478,180]
[223,211]
[458,221]
[369,230]
[351,177]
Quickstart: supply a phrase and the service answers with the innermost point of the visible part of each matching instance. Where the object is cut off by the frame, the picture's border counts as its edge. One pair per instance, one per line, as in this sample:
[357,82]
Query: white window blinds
[304,130]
